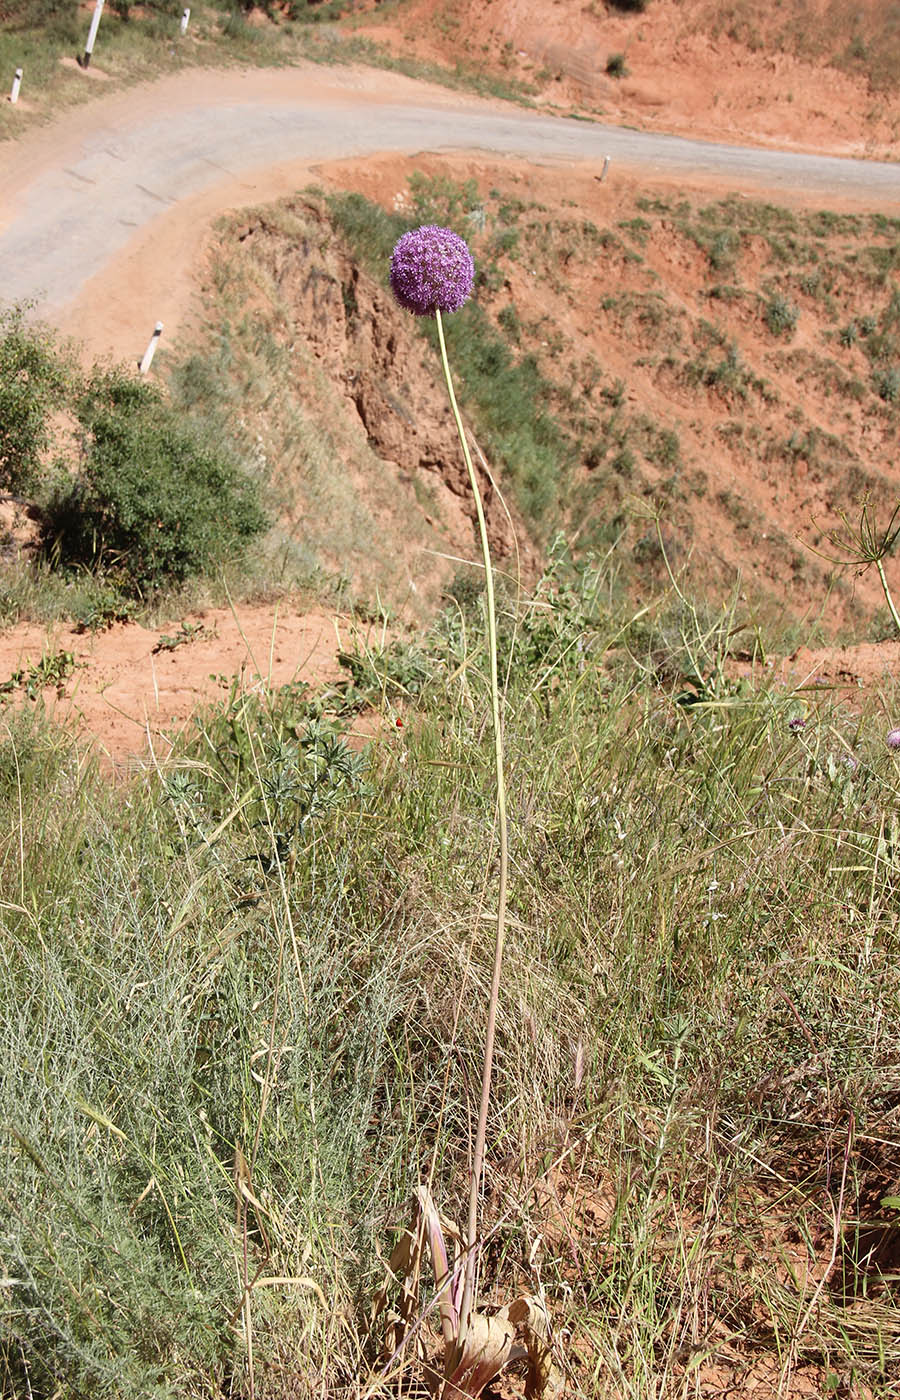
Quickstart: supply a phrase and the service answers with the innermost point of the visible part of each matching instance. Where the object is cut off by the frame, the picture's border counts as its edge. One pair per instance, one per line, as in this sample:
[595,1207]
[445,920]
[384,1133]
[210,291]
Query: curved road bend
[74,195]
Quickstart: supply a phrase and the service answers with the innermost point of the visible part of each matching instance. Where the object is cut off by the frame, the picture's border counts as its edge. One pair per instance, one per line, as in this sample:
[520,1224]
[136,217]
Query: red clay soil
[742,73]
[742,511]
[133,691]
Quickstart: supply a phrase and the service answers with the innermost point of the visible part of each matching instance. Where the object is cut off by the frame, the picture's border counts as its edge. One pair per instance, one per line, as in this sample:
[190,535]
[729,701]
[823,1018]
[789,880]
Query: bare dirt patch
[727,73]
[132,689]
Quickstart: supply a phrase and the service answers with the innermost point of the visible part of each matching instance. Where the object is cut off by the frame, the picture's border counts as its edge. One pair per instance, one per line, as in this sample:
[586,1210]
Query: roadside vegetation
[137,43]
[124,486]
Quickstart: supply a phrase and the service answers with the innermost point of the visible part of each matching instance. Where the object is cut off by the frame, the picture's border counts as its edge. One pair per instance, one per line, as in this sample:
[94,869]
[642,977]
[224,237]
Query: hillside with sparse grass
[809,74]
[699,385]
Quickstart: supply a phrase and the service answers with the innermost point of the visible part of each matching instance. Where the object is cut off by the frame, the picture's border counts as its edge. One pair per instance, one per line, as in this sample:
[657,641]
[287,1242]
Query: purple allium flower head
[432,270]
[796,724]
[893,739]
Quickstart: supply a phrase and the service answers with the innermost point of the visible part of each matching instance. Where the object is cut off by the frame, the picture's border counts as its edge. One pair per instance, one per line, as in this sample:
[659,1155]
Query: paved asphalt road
[62,222]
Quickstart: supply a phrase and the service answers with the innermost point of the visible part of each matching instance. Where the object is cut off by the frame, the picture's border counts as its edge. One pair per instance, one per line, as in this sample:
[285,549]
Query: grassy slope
[267,948]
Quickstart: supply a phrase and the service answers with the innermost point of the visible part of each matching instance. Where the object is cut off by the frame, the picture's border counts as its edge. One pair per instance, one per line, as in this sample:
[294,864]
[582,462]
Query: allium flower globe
[893,739]
[432,270]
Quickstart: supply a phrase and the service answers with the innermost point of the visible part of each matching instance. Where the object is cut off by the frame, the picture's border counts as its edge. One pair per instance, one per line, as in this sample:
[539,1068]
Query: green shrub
[316,11]
[153,502]
[616,66]
[780,315]
[34,376]
[723,249]
[509,323]
[23,15]
[623,463]
[887,385]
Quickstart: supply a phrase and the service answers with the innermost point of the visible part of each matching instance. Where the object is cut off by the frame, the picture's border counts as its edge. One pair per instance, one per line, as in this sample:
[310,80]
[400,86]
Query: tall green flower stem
[468,1294]
[887,593]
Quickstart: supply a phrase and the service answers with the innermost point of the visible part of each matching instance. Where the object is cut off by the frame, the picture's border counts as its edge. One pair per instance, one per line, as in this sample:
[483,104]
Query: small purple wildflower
[796,724]
[893,739]
[432,270]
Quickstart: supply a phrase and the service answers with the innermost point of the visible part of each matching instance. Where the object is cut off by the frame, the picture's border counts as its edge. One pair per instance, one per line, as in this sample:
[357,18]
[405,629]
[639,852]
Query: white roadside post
[92,34]
[605,171]
[17,83]
[147,361]
[185,21]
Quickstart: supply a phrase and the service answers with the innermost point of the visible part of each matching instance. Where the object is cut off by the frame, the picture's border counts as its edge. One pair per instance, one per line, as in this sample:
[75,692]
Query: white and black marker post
[147,361]
[185,21]
[17,83]
[92,34]
[605,171]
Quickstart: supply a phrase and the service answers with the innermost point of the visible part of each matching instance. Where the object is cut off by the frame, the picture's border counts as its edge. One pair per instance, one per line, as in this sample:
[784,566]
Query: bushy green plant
[316,11]
[153,501]
[509,323]
[32,14]
[34,377]
[780,315]
[887,385]
[723,249]
[616,66]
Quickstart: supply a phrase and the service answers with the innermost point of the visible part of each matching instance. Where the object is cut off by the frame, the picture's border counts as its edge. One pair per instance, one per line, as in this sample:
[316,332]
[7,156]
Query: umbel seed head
[432,270]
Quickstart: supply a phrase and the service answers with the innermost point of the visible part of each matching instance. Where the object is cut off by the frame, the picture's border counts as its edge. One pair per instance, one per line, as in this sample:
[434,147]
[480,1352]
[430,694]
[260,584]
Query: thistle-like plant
[859,546]
[432,274]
